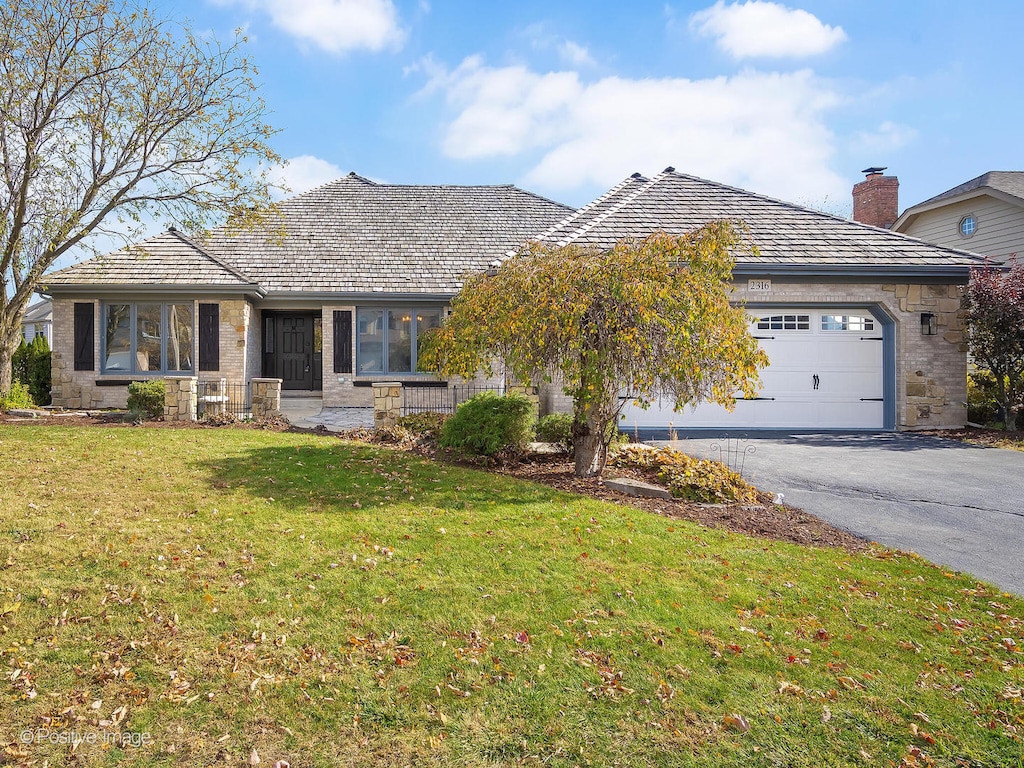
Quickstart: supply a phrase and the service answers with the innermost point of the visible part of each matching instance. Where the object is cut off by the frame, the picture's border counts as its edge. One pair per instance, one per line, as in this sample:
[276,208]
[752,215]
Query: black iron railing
[218,397]
[445,399]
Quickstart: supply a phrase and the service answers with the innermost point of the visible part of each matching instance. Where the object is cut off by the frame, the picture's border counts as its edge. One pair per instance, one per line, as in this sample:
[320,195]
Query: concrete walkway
[308,413]
[955,504]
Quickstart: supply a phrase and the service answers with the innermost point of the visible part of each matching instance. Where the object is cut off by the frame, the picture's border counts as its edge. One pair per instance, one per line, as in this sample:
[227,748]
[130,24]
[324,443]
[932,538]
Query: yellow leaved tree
[646,319]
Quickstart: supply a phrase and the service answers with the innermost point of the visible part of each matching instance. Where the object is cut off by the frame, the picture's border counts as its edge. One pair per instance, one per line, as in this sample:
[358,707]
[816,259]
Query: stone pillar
[266,398]
[181,398]
[387,403]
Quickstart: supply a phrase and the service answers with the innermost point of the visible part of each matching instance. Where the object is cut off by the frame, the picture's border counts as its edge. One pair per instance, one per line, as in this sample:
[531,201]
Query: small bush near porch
[331,603]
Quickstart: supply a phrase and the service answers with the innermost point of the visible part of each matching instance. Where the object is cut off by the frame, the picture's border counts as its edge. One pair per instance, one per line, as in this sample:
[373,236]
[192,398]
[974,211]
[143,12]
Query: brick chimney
[876,199]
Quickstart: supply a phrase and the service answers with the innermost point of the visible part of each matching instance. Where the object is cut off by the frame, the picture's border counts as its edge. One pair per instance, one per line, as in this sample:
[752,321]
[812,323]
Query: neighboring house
[38,321]
[861,325]
[331,296]
[984,215]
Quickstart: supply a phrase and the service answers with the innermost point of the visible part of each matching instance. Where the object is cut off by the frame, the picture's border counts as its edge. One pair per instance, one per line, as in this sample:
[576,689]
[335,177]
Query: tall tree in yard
[110,116]
[994,304]
[649,317]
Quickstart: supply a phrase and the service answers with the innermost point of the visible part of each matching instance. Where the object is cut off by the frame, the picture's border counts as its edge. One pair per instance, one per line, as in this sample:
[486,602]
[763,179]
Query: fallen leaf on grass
[736,723]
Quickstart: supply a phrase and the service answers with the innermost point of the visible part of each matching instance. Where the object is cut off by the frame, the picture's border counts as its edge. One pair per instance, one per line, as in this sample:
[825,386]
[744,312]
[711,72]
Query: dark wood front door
[293,349]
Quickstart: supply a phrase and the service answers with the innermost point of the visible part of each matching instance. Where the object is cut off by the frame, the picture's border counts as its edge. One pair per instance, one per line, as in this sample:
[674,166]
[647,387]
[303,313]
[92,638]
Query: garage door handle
[764,337]
[872,399]
[872,338]
[817,381]
[758,398]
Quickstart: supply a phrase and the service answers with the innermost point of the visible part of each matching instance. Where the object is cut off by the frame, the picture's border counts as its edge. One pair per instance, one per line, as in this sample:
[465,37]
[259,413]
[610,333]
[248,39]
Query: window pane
[399,341]
[425,320]
[118,325]
[371,340]
[147,337]
[179,338]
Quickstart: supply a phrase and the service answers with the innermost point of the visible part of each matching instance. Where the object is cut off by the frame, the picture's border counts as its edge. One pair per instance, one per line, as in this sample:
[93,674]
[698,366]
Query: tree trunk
[589,440]
[9,341]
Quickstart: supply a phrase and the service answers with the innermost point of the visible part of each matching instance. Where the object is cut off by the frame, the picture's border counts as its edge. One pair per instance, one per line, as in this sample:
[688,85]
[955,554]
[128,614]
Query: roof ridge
[823,214]
[216,260]
[589,206]
[601,218]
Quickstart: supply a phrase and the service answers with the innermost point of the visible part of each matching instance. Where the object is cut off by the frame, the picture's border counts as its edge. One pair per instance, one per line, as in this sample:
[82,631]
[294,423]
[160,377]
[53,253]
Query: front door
[295,351]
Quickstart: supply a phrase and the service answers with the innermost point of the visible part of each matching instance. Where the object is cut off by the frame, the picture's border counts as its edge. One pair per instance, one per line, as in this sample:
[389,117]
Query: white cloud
[761,131]
[575,54]
[302,173]
[887,137]
[758,28]
[542,37]
[336,26]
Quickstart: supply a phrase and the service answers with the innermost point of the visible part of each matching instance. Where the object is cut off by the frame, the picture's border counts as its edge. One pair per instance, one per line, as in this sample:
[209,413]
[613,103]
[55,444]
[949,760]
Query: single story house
[862,325]
[329,297]
[984,215]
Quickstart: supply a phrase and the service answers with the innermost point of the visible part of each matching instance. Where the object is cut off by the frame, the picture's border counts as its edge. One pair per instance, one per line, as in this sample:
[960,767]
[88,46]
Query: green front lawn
[330,603]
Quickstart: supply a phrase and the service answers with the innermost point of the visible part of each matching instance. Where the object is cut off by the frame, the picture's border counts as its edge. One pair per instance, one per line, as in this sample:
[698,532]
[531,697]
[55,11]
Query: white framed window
[784,323]
[847,323]
[968,225]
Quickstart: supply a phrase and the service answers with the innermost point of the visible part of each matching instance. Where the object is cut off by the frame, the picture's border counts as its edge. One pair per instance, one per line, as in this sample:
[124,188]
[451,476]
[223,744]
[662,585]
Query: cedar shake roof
[1008,182]
[350,236]
[785,234]
[169,259]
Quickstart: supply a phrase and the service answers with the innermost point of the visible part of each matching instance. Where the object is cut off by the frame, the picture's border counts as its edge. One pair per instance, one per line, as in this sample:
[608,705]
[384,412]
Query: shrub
[146,398]
[18,397]
[983,400]
[31,366]
[556,428]
[424,423]
[686,477]
[488,424]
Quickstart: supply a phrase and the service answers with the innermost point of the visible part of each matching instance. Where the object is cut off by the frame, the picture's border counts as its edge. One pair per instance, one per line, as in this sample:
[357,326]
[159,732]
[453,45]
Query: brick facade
[876,201]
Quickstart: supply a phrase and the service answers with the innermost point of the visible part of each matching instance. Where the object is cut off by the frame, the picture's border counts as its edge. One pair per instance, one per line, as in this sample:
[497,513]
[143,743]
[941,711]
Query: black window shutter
[85,346]
[343,341]
[209,337]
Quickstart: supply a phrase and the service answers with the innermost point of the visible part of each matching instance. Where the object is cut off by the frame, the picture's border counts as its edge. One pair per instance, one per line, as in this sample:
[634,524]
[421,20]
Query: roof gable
[785,234]
[1007,186]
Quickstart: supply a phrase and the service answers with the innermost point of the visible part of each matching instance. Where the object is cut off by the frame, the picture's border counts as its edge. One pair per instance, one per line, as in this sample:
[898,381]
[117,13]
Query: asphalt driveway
[955,504]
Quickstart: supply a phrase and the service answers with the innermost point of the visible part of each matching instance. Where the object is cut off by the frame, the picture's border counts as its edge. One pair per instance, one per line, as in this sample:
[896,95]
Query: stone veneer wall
[266,398]
[931,371]
[71,388]
[181,398]
[235,320]
[78,389]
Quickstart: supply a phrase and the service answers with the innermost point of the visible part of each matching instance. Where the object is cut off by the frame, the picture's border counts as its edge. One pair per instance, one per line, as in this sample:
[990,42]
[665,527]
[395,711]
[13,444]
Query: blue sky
[566,98]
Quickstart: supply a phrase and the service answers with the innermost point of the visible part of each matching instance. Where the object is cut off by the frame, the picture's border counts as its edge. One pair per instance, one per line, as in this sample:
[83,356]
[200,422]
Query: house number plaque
[759,286]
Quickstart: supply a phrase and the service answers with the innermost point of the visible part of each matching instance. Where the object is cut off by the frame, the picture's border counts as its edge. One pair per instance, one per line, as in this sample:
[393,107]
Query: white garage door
[825,371]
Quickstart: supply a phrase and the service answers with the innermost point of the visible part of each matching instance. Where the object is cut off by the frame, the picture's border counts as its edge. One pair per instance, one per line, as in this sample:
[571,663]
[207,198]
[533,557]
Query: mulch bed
[764,519]
[992,438]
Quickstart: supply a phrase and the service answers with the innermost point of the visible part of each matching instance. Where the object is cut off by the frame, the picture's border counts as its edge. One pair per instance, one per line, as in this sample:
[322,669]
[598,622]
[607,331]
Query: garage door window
[784,323]
[847,323]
